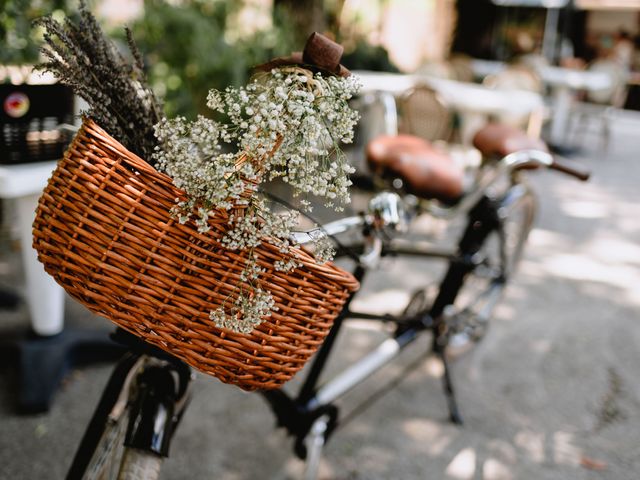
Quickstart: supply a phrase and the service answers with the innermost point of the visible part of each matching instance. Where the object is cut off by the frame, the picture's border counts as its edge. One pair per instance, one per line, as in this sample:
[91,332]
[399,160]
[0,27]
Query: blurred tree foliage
[191,46]
[195,45]
[19,41]
[306,16]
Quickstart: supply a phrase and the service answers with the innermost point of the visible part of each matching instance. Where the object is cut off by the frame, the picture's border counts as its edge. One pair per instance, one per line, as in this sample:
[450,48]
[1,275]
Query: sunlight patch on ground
[541,346]
[614,250]
[532,443]
[582,268]
[591,191]
[503,311]
[603,259]
[463,465]
[585,209]
[493,469]
[429,434]
[385,301]
[564,450]
[504,449]
[546,238]
[366,325]
[434,367]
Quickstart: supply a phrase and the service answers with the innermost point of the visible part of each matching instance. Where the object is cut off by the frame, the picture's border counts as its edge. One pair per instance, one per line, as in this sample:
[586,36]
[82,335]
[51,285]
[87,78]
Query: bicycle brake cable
[348,251]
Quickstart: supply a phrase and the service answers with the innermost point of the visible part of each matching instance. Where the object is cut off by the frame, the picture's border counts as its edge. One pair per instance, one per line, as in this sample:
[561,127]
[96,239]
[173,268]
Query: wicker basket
[103,230]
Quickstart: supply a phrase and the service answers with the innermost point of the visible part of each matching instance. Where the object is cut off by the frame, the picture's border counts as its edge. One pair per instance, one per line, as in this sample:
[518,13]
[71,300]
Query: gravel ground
[551,393]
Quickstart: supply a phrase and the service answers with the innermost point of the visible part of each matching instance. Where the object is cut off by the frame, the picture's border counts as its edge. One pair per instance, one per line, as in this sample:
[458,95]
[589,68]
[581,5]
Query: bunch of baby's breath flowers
[287,123]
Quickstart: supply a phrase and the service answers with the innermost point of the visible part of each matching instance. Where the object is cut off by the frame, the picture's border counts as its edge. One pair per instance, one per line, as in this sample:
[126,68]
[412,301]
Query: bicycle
[148,392]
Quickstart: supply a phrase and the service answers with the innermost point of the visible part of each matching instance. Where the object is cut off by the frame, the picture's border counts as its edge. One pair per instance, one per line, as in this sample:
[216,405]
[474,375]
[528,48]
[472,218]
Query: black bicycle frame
[298,414]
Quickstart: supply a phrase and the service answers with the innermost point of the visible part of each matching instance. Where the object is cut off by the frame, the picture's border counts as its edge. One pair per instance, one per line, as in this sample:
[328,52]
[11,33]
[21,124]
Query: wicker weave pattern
[104,232]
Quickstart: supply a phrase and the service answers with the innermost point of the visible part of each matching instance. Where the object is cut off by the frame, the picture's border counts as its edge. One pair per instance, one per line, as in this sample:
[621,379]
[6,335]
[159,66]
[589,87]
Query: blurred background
[193,45]
[551,393]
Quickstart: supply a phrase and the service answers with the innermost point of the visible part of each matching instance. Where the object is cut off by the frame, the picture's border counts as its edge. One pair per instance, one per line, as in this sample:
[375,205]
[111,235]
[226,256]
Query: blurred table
[48,350]
[475,102]
[552,76]
[563,83]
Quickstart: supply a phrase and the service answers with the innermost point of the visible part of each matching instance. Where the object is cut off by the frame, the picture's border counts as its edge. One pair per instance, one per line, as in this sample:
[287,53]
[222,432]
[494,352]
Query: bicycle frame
[311,415]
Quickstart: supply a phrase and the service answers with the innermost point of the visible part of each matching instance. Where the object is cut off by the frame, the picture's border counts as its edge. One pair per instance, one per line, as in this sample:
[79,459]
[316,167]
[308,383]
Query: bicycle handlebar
[387,210]
[576,171]
[535,158]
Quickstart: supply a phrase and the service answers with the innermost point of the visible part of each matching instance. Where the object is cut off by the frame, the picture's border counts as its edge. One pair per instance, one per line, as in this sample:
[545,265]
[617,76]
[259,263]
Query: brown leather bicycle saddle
[496,139]
[424,171]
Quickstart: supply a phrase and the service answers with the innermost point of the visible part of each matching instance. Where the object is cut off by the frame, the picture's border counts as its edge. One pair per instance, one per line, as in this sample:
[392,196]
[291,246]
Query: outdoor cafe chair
[424,114]
[599,105]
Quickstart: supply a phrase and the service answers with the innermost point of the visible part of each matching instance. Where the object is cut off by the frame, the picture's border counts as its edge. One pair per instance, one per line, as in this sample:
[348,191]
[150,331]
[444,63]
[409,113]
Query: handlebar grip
[579,172]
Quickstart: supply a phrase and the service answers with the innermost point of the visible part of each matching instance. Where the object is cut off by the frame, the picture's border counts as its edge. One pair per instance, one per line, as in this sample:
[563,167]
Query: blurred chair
[425,115]
[515,77]
[600,105]
[520,77]
[461,68]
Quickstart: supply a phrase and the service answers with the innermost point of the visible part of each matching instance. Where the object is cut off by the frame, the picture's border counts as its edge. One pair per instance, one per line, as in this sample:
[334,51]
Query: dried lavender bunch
[119,98]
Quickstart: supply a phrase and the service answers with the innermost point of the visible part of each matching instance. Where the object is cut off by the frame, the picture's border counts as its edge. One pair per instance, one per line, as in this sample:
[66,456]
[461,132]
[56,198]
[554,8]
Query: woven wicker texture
[103,230]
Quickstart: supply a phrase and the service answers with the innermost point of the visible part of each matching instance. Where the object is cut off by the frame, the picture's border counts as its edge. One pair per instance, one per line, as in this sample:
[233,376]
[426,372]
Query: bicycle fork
[158,407]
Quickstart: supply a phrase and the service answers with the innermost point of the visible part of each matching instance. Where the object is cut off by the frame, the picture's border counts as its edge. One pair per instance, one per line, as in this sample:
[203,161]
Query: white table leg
[44,296]
[563,99]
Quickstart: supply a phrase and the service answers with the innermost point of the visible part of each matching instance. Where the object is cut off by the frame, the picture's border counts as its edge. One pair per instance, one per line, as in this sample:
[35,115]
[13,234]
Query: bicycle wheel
[131,429]
[139,465]
[468,317]
[101,450]
[113,461]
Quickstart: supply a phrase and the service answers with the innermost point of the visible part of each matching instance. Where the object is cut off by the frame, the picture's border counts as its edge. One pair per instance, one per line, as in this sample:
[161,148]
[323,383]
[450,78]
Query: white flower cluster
[247,312]
[287,123]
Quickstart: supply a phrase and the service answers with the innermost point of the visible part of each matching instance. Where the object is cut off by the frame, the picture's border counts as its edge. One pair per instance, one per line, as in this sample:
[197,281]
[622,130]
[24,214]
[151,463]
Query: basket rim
[327,270]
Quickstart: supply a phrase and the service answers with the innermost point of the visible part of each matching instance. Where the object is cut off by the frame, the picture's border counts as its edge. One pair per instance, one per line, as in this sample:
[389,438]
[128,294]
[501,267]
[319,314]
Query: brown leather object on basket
[425,171]
[496,139]
[320,54]
[103,230]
